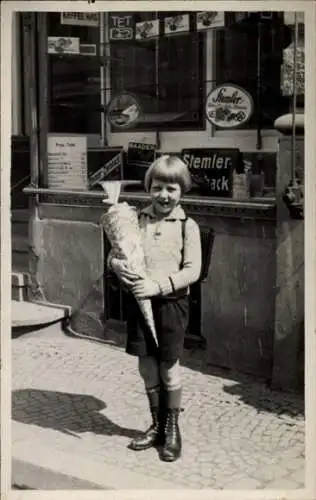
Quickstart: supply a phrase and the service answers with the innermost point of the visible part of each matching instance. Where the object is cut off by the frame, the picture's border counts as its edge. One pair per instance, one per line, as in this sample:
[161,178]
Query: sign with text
[139,157]
[121,26]
[212,170]
[67,161]
[228,106]
[80,18]
[105,164]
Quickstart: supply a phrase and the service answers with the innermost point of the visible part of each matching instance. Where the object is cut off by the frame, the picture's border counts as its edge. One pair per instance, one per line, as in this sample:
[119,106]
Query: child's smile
[165,196]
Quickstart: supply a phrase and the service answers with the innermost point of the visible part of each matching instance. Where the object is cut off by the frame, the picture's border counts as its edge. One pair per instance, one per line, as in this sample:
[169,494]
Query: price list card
[67,162]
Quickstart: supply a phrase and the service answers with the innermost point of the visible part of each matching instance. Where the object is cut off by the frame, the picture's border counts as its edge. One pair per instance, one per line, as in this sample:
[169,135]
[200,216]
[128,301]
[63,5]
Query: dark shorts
[171,319]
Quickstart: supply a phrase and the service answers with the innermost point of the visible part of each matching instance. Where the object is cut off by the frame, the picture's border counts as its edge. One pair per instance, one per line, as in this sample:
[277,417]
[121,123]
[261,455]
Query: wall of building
[249,268]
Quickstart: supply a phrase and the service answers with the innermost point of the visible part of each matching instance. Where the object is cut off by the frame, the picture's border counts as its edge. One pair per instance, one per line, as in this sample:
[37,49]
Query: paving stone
[282,484]
[298,475]
[88,399]
[245,483]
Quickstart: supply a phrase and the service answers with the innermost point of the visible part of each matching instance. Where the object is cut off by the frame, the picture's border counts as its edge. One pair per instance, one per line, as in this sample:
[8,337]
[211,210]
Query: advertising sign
[80,18]
[121,26]
[229,106]
[287,70]
[139,157]
[212,170]
[105,164]
[123,110]
[67,161]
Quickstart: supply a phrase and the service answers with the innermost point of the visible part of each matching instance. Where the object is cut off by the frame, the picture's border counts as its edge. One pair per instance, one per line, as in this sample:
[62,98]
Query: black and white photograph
[158,161]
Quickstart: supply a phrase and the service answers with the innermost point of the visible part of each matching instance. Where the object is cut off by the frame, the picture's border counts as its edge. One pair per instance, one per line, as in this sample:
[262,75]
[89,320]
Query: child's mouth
[163,204]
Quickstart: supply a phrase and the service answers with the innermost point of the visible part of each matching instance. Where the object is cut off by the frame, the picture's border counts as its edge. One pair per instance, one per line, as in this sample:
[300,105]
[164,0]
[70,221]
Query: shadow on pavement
[18,331]
[250,390]
[67,413]
[266,400]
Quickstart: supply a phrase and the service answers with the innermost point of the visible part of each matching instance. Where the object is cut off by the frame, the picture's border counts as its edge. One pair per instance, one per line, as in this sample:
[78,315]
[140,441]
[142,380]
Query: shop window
[237,62]
[166,74]
[74,80]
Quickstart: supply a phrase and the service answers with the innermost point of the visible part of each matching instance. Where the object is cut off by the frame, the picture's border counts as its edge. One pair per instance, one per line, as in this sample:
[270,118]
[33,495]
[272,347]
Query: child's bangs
[168,173]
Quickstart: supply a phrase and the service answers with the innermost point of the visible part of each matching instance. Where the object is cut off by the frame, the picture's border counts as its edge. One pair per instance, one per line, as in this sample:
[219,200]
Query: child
[172,248]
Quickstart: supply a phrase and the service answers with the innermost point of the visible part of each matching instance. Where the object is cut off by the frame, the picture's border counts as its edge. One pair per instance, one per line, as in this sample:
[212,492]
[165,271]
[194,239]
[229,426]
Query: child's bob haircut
[169,169]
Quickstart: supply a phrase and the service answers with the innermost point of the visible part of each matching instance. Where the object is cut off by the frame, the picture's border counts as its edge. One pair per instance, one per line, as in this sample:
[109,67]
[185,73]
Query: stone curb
[102,475]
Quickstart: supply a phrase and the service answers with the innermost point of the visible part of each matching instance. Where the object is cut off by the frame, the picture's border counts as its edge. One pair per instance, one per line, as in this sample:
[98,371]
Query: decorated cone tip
[113,190]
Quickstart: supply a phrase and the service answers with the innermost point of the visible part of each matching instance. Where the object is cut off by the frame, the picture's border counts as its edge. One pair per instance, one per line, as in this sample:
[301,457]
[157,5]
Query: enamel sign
[229,106]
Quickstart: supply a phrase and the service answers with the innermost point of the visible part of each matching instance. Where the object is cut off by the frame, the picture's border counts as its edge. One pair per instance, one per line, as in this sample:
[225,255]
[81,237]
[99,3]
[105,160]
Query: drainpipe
[158,141]
[29,34]
[293,193]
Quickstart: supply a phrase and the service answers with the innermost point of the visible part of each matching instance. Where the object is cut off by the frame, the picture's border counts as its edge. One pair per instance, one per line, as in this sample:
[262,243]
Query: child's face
[164,196]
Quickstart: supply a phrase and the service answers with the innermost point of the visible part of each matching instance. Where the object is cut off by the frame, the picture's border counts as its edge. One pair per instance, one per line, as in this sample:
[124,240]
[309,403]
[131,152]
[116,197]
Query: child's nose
[164,193]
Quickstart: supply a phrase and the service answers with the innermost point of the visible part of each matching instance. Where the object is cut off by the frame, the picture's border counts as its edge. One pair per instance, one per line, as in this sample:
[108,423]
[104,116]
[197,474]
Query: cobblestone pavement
[87,399]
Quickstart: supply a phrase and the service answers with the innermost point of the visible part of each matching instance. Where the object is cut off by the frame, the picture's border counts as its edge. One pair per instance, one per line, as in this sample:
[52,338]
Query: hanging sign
[229,106]
[212,170]
[209,20]
[123,110]
[63,45]
[121,26]
[67,161]
[147,29]
[80,18]
[177,24]
[105,164]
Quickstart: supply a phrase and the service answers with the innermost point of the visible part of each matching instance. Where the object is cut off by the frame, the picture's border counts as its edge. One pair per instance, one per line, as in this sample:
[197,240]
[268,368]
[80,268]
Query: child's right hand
[125,275]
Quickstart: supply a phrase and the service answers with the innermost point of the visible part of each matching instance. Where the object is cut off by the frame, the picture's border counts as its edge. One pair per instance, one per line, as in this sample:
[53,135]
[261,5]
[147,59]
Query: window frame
[253,124]
[172,126]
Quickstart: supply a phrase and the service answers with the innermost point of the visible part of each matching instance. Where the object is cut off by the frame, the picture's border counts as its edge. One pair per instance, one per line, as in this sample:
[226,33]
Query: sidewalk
[76,405]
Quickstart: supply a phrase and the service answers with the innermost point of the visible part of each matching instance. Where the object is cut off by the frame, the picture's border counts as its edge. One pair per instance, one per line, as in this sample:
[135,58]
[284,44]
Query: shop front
[109,93]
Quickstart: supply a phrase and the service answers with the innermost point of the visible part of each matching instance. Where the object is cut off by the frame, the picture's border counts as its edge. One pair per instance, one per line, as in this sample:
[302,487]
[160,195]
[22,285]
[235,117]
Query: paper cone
[113,191]
[146,309]
[121,226]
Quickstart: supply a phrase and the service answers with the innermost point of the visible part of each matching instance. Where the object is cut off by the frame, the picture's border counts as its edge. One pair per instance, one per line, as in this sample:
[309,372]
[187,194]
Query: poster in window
[212,170]
[121,26]
[177,24]
[209,20]
[67,161]
[63,45]
[147,29]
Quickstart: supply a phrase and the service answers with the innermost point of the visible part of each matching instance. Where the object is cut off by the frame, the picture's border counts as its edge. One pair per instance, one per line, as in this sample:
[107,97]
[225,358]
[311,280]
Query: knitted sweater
[163,243]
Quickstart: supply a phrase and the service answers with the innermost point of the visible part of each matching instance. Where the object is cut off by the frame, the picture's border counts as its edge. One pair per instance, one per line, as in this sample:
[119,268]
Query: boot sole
[142,448]
[170,459]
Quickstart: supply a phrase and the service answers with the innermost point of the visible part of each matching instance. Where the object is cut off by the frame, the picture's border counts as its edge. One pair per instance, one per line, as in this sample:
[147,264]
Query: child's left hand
[145,288]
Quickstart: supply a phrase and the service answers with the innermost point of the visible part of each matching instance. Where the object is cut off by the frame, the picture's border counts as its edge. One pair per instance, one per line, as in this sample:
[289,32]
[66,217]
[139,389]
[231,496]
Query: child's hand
[125,275]
[145,288]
